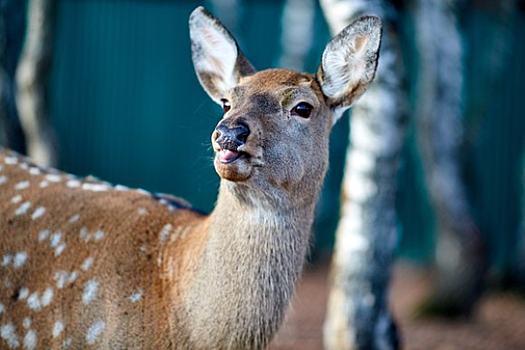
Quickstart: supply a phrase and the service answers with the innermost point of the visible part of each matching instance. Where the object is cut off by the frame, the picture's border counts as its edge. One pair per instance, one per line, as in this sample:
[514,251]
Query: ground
[499,322]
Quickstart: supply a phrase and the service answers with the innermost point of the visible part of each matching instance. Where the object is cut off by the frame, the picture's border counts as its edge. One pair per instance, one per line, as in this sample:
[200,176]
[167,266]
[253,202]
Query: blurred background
[107,87]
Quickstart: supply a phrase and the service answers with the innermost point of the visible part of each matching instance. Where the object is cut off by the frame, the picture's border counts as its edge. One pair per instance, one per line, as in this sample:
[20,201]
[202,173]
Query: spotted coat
[80,258]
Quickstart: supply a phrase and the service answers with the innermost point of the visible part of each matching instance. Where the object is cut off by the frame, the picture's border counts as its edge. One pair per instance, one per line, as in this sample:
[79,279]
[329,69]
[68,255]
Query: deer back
[83,262]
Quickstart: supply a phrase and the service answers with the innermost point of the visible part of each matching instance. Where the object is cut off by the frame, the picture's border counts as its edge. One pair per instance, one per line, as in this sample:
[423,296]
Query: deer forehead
[277,87]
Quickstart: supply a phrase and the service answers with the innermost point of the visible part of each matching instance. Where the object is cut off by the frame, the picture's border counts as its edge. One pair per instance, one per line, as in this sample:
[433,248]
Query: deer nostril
[237,134]
[221,130]
[242,133]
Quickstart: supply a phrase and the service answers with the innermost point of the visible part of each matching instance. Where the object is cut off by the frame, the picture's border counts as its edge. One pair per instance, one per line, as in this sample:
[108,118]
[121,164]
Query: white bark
[297,33]
[358,315]
[31,78]
[460,255]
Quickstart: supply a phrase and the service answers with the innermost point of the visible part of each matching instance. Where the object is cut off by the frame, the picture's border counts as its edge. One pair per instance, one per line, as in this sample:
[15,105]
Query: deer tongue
[227,156]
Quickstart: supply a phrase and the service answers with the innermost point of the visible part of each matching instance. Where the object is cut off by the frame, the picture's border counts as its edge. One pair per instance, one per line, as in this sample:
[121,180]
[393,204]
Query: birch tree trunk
[31,79]
[358,315]
[296,34]
[460,253]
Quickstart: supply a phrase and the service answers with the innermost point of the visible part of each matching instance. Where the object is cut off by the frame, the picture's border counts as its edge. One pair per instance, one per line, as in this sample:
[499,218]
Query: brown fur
[167,277]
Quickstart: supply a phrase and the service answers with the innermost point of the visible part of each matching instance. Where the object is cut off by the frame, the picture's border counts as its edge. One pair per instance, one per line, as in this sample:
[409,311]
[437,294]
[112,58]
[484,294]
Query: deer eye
[302,109]
[225,105]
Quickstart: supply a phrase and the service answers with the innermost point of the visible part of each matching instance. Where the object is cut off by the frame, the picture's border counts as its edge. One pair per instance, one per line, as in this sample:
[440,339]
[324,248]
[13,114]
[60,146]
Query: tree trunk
[358,316]
[460,252]
[11,36]
[31,78]
[297,33]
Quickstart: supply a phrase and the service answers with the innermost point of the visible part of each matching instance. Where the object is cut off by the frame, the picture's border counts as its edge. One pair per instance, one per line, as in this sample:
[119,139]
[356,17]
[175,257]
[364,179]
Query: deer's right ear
[218,62]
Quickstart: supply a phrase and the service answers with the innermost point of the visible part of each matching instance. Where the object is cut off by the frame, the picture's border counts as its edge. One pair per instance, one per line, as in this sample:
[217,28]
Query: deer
[87,264]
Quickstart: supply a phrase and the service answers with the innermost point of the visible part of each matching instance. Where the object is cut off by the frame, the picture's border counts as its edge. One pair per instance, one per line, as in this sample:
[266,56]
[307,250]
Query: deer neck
[252,260]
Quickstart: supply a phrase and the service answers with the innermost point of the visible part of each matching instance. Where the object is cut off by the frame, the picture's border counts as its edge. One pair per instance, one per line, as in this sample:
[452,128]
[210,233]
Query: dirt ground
[499,322]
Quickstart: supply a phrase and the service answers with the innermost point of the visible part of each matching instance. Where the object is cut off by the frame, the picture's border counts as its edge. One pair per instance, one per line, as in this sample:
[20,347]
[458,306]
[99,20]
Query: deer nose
[236,134]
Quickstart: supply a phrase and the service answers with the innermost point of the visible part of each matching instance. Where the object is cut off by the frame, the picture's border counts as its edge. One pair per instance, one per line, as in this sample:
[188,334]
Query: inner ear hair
[217,60]
[349,62]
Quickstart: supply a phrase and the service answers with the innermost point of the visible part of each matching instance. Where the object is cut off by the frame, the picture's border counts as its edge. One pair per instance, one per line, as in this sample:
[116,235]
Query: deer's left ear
[349,63]
[216,56]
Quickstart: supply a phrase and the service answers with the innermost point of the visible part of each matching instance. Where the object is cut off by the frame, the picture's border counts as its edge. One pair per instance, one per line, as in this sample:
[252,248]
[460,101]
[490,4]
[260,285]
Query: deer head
[275,129]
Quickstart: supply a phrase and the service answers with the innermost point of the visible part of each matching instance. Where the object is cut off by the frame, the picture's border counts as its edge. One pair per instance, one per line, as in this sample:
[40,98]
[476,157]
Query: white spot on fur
[142,211]
[67,343]
[87,264]
[94,187]
[7,332]
[11,160]
[73,183]
[42,235]
[16,199]
[6,259]
[24,292]
[19,259]
[121,188]
[53,178]
[30,340]
[84,235]
[26,323]
[90,292]
[3,179]
[55,239]
[38,213]
[34,171]
[44,184]
[22,185]
[74,218]
[95,331]
[142,191]
[98,235]
[60,248]
[33,302]
[47,297]
[72,277]
[164,233]
[137,296]
[24,166]
[23,208]
[57,329]
[2,308]
[61,278]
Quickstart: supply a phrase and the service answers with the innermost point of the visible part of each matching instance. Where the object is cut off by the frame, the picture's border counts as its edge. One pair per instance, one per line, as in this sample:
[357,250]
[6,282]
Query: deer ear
[349,63]
[218,62]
